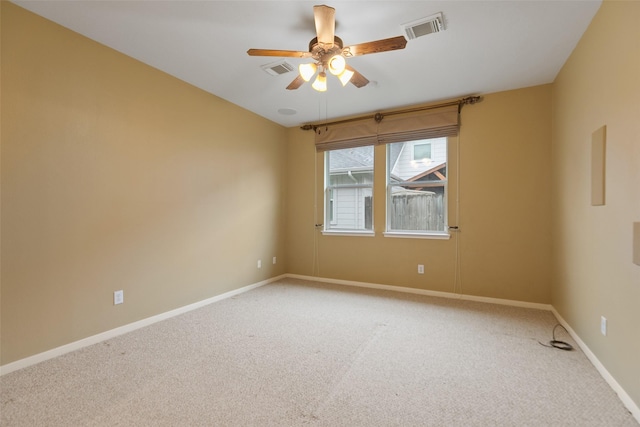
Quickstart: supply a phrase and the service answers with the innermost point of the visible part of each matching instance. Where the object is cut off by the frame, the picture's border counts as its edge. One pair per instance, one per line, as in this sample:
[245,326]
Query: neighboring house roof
[434,169]
[360,157]
[352,159]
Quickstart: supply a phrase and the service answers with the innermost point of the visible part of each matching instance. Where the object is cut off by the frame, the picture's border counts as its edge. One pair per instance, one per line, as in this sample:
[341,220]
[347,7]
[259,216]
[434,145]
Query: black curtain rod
[379,116]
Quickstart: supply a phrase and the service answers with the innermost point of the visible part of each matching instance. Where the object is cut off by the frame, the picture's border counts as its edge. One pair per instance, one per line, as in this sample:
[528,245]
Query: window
[417,187]
[421,151]
[349,190]
[416,144]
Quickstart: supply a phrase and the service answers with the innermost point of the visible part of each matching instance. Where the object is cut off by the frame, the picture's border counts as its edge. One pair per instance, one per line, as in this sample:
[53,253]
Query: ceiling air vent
[277,68]
[424,26]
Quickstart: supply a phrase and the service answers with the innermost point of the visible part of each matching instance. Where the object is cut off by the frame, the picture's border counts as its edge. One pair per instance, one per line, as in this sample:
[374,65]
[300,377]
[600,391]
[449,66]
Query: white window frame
[328,222]
[420,234]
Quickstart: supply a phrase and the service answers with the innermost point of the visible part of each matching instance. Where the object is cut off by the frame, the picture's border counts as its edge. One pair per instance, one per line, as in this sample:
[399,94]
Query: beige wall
[505,218]
[117,176]
[593,273]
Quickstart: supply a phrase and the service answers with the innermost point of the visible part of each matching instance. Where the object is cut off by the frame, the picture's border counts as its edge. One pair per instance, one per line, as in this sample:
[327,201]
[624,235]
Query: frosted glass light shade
[345,77]
[320,84]
[336,64]
[307,71]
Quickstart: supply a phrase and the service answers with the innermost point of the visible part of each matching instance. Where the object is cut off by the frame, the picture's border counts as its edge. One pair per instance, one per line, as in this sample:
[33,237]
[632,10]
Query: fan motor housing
[318,51]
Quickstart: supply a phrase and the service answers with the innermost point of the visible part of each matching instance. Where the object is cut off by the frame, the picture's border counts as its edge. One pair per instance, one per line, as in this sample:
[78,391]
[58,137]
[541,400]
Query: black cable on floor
[562,345]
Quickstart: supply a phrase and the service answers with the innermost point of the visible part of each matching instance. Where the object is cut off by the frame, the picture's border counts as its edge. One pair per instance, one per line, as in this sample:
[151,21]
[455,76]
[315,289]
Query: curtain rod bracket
[470,100]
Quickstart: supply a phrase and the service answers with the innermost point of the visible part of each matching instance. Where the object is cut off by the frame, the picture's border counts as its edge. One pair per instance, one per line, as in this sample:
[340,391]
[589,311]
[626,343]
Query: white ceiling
[487,46]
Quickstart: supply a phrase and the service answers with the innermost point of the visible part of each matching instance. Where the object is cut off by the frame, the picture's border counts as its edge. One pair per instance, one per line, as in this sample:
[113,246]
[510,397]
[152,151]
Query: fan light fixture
[320,84]
[307,71]
[336,65]
[345,76]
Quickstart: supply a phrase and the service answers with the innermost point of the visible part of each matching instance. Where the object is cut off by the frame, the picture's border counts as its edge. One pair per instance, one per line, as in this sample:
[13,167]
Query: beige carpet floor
[302,353]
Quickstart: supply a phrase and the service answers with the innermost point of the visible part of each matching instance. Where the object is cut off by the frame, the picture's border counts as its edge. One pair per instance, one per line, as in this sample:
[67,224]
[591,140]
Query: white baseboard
[617,388]
[450,295]
[94,339]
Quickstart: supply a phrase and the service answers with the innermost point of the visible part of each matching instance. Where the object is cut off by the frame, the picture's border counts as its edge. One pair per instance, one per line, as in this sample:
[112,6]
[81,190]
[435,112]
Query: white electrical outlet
[420,269]
[259,263]
[118,297]
[274,260]
[603,325]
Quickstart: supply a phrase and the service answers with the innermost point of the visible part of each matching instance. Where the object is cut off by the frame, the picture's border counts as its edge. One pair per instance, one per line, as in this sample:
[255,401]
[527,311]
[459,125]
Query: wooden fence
[417,210]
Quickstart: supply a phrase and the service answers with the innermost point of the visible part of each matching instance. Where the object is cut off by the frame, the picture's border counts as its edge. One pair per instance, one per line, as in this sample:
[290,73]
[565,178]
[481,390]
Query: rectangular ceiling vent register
[278,68]
[425,26]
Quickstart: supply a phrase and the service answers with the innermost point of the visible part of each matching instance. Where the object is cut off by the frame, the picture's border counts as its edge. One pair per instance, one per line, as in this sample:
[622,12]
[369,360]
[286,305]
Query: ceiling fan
[329,53]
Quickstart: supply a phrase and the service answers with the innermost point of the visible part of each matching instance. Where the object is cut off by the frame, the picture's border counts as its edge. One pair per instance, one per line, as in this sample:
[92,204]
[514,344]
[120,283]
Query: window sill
[409,235]
[348,233]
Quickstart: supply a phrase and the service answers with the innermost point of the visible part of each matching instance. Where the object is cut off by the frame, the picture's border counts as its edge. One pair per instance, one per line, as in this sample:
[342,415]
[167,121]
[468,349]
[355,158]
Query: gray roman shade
[430,122]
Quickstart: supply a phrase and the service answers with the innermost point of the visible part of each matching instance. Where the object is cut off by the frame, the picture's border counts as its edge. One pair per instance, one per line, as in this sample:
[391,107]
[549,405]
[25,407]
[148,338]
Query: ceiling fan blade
[280,53]
[358,80]
[296,83]
[325,24]
[393,43]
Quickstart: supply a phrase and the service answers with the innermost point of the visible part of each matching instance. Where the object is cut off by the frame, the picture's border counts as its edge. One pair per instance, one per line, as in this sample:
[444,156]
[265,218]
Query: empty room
[280,213]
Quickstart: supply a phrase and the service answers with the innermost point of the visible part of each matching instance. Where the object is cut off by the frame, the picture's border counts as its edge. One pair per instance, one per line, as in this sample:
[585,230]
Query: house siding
[406,167]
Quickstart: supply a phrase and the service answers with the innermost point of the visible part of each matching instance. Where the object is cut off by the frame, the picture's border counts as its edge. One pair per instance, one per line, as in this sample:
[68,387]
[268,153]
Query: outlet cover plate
[118,297]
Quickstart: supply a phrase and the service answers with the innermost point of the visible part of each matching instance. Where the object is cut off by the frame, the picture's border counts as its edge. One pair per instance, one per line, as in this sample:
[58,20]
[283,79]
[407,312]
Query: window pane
[350,209]
[416,210]
[421,151]
[349,183]
[359,159]
[417,184]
